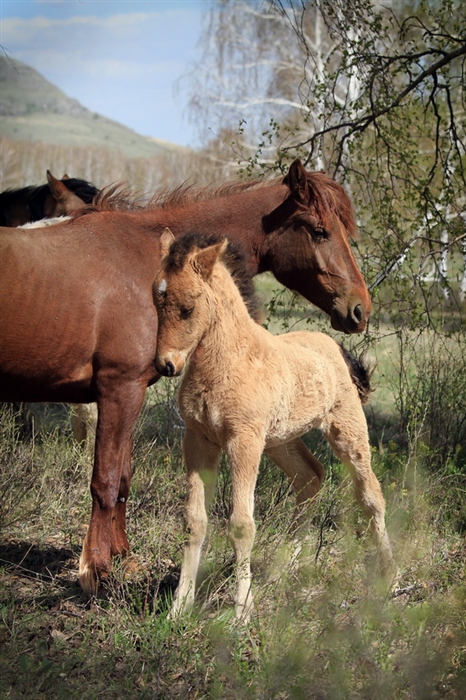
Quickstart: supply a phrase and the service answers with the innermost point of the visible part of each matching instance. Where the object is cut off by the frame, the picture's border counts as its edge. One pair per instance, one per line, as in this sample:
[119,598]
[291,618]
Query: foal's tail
[360,373]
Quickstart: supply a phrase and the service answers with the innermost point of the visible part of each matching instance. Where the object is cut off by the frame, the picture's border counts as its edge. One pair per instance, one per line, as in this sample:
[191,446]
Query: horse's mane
[82,189]
[327,198]
[232,257]
[34,197]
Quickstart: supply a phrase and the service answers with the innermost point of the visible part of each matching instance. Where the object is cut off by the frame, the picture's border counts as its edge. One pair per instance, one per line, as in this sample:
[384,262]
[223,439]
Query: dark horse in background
[78,322]
[56,198]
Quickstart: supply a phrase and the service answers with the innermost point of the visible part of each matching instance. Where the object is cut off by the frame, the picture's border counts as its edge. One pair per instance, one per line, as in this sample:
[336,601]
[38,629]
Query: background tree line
[375,94]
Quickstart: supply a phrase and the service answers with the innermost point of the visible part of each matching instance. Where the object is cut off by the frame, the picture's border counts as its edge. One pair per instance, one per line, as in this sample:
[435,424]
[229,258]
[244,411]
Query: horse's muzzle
[354,321]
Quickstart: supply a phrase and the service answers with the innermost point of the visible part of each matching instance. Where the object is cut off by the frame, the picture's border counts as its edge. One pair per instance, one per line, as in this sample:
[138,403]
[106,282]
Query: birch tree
[374,94]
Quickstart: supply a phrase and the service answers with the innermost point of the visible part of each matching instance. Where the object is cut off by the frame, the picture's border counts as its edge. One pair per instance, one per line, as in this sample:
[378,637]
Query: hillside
[33,109]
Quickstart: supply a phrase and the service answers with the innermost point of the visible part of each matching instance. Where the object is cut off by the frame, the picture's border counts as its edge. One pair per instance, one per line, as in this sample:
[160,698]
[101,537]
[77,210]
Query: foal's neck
[230,330]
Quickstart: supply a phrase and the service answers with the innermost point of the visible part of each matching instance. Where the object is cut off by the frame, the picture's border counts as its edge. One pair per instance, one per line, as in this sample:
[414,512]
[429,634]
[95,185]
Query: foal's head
[183,297]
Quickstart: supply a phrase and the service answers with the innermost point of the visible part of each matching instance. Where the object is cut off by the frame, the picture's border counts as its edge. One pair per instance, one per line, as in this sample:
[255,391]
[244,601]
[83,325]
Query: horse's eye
[186,312]
[319,233]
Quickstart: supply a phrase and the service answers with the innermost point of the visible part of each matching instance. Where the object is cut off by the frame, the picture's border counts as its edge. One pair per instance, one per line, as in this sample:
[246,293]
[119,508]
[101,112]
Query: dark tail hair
[360,373]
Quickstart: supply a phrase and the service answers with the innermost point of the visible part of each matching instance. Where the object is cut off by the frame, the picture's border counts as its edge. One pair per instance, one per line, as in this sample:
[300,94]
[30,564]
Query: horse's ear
[296,179]
[166,239]
[205,258]
[57,188]
[65,177]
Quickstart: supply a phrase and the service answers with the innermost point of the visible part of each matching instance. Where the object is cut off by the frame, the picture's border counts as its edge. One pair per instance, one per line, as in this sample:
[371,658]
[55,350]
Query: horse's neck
[238,216]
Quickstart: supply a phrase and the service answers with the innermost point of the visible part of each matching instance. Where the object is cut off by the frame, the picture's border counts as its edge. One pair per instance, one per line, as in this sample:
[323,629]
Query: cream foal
[246,392]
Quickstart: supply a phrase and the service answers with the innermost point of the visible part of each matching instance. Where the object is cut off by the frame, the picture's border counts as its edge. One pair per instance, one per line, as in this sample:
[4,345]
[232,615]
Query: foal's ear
[166,239]
[205,258]
[296,179]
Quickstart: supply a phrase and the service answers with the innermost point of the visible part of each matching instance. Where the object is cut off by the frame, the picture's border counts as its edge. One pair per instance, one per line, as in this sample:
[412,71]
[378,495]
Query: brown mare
[78,323]
[56,198]
[246,391]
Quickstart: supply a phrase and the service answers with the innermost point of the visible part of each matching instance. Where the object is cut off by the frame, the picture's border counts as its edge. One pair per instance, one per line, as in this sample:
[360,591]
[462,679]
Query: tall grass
[322,628]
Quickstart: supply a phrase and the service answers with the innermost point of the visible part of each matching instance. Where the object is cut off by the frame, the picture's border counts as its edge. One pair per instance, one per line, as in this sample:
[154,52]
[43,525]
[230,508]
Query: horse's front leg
[244,452]
[120,544]
[119,408]
[201,459]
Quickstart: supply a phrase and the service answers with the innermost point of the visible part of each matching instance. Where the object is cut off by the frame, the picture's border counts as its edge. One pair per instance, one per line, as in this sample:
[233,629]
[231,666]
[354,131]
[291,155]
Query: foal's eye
[186,312]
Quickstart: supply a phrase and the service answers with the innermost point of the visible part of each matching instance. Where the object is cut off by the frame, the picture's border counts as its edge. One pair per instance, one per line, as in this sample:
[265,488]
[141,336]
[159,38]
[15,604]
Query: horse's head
[182,301]
[307,248]
[62,201]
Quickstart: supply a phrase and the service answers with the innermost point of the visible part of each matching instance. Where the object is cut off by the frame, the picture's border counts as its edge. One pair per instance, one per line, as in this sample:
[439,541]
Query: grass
[323,626]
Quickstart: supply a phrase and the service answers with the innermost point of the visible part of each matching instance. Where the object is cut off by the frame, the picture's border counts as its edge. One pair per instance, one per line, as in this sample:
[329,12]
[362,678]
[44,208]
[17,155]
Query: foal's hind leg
[346,431]
[201,458]
[304,471]
[84,422]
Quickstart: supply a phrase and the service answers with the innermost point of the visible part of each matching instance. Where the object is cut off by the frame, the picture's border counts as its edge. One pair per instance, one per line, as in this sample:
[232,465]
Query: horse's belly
[38,385]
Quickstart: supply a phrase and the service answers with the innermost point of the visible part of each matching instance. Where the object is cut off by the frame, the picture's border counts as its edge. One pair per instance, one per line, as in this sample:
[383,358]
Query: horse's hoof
[89,579]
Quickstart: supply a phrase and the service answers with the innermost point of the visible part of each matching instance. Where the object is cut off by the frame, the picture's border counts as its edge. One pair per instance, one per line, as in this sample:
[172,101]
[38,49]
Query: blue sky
[123,59]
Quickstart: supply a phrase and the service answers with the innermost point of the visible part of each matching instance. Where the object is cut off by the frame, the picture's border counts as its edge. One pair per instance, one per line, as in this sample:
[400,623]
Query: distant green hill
[32,109]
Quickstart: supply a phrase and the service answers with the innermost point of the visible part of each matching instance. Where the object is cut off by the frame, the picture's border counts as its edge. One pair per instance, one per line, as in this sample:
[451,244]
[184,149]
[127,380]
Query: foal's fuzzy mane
[327,197]
[232,257]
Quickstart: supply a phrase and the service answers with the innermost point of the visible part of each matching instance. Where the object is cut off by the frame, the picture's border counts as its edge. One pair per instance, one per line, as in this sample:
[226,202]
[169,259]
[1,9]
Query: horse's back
[71,297]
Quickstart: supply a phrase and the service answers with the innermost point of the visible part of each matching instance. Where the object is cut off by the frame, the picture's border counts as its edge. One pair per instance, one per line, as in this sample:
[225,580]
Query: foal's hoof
[391,575]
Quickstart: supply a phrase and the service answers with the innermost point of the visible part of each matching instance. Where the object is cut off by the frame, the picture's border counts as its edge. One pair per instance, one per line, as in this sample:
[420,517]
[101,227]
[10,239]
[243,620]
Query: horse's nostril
[358,313]
[170,369]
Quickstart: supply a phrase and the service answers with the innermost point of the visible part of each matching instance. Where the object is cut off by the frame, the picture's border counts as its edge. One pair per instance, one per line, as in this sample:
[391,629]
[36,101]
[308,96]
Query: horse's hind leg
[346,431]
[201,459]
[118,409]
[304,471]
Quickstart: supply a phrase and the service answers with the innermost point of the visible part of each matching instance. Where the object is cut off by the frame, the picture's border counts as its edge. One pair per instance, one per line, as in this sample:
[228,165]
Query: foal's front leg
[244,452]
[201,459]
[119,408]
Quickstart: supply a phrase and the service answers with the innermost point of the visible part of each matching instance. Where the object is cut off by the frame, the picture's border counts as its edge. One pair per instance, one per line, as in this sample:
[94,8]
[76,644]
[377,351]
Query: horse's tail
[360,372]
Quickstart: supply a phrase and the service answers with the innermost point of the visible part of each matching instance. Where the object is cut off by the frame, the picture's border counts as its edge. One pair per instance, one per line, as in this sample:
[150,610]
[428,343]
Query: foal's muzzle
[167,368]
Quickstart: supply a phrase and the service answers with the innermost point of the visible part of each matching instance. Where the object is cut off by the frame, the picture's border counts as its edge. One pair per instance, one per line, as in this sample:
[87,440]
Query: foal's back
[314,383]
